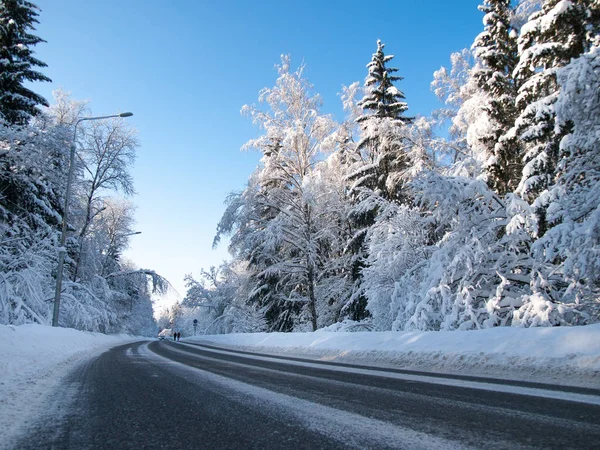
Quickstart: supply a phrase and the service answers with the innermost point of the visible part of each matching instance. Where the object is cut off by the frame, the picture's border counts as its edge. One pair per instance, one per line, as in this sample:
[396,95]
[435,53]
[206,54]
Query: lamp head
[126,114]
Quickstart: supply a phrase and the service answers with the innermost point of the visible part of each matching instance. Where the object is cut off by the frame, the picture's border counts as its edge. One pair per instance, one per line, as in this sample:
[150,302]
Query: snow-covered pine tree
[246,219]
[570,249]
[350,254]
[548,41]
[495,50]
[31,186]
[382,98]
[378,163]
[380,151]
[477,272]
[17,63]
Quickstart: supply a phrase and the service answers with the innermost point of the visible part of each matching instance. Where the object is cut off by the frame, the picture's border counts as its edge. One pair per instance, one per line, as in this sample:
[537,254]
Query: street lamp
[63,235]
[129,234]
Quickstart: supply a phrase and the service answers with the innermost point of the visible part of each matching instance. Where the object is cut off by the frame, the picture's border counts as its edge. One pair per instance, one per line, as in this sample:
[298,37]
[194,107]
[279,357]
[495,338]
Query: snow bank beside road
[559,355]
[33,360]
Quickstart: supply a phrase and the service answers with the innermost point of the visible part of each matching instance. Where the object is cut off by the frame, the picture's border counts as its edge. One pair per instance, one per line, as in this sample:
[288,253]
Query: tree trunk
[312,301]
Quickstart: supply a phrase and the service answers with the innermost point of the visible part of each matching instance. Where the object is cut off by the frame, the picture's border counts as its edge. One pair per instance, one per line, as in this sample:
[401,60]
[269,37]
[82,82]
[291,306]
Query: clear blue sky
[185,68]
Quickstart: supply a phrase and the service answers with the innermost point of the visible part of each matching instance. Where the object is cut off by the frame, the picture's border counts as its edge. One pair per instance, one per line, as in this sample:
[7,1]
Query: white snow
[34,359]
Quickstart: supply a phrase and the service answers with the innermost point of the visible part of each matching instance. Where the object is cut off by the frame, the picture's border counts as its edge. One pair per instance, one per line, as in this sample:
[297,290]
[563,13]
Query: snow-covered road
[187,396]
[35,360]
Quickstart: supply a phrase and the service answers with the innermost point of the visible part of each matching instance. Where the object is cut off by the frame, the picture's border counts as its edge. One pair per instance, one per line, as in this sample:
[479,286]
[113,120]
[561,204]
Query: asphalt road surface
[167,395]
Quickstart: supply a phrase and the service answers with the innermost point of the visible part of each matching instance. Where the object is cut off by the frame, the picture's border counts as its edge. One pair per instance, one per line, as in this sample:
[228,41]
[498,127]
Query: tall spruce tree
[18,103]
[571,246]
[382,98]
[381,152]
[548,41]
[379,161]
[496,51]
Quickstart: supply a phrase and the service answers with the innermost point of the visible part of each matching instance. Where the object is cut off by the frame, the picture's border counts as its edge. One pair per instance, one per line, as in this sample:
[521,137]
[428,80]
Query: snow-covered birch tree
[279,197]
[106,155]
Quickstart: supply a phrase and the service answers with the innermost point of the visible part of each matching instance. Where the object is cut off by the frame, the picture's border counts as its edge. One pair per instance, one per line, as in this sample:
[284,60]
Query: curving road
[167,395]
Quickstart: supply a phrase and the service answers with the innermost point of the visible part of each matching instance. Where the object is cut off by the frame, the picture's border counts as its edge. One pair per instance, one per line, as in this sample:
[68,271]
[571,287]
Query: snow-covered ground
[560,355]
[35,359]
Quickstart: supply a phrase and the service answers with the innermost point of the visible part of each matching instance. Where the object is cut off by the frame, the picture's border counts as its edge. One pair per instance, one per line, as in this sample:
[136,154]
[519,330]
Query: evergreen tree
[548,41]
[246,219]
[381,150]
[17,63]
[571,246]
[378,163]
[496,51]
[382,98]
[31,185]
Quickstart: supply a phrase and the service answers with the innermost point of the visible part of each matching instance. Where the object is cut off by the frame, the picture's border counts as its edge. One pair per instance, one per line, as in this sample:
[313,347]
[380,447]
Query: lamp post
[63,235]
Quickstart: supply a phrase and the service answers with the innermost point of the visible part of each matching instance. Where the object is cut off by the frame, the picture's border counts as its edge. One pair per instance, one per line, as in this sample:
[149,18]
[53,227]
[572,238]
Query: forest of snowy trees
[100,290]
[484,214]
